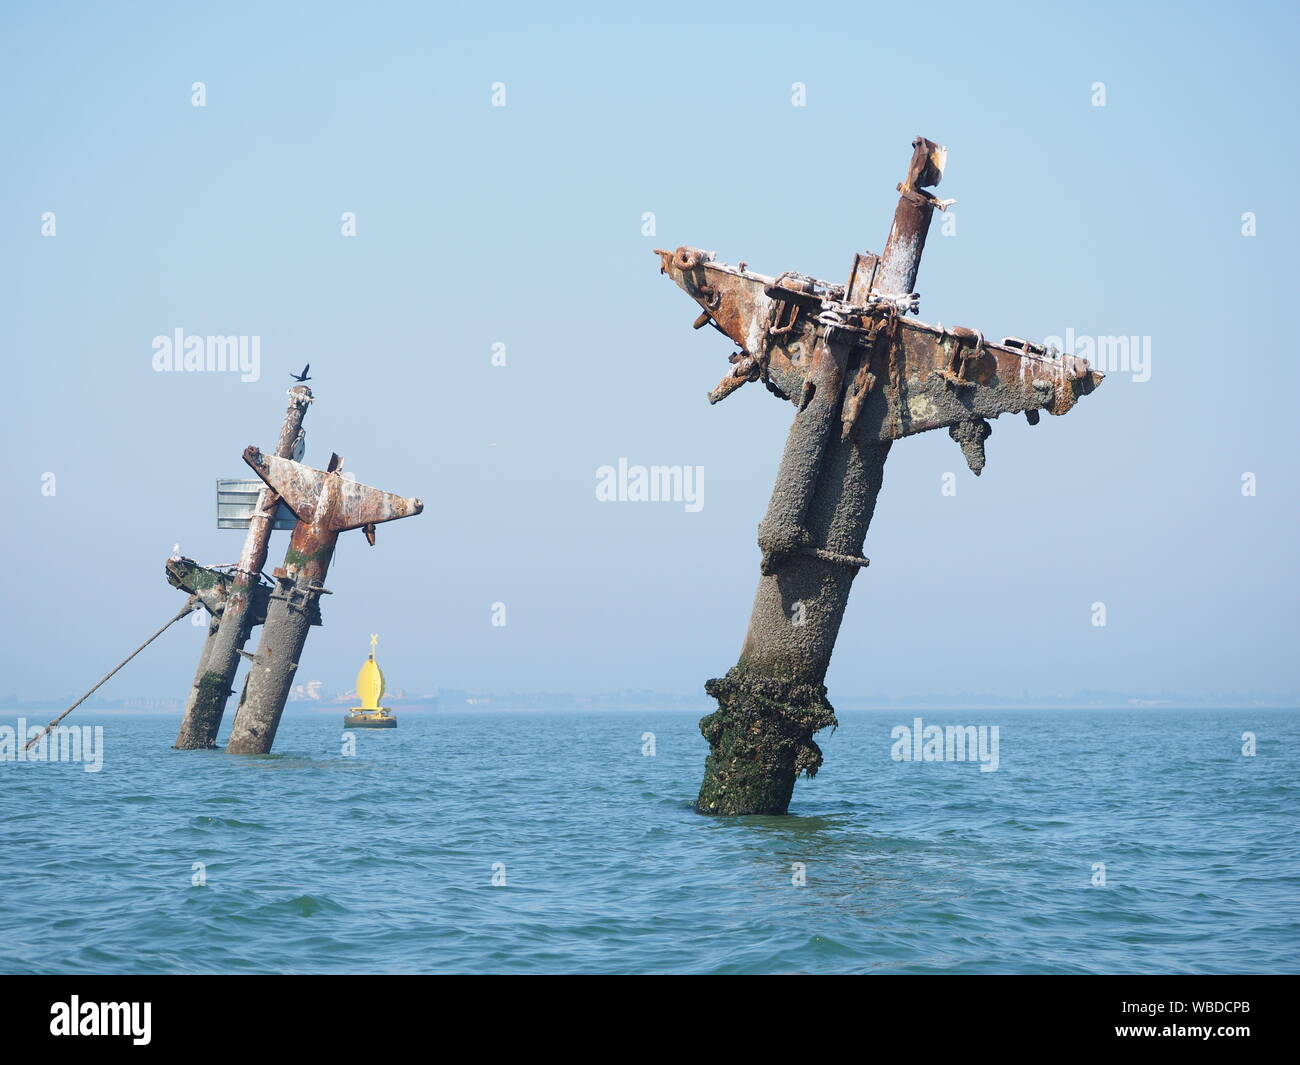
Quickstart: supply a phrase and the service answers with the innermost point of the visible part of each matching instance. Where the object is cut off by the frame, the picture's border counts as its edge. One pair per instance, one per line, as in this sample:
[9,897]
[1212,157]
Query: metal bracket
[855,561]
[955,374]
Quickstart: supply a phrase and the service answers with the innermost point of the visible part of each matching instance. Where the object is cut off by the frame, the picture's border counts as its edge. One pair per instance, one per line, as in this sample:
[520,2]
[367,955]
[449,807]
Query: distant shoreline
[848,707]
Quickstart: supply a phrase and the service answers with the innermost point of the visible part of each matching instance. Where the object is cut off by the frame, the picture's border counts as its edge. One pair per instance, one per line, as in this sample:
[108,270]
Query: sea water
[535,842]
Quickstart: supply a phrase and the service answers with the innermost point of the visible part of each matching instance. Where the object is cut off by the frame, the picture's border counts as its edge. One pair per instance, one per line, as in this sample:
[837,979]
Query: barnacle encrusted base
[760,740]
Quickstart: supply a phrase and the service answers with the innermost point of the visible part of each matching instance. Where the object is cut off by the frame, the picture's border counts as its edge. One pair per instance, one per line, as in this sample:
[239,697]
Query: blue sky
[522,225]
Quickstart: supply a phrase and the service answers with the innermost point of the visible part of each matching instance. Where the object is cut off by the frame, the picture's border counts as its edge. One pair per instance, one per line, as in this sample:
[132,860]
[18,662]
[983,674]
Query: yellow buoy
[370,689]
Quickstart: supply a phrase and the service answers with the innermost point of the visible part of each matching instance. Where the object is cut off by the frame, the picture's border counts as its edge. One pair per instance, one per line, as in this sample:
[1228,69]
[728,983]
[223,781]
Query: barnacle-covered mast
[236,600]
[861,374]
[324,503]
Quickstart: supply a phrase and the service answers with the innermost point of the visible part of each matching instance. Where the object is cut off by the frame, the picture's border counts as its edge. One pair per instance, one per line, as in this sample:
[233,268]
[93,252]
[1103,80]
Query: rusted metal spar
[236,601]
[861,375]
[900,262]
[325,503]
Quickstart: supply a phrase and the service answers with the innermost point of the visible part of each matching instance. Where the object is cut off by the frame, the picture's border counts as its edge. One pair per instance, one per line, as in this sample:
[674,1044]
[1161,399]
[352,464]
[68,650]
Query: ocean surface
[313,860]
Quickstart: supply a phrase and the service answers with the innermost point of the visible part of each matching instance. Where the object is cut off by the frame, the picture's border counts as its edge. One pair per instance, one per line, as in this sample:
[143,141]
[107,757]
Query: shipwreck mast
[861,375]
[236,601]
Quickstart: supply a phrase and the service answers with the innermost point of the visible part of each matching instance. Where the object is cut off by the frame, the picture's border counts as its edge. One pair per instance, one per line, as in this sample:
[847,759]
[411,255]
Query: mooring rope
[191,604]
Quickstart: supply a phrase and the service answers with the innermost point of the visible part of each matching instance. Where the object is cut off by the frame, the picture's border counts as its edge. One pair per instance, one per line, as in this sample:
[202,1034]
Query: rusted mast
[235,601]
[325,503]
[851,361]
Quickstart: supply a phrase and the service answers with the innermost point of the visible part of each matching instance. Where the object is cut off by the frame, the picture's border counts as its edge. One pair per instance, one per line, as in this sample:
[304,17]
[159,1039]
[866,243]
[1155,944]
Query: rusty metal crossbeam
[933,377]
